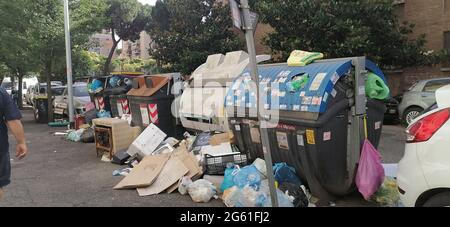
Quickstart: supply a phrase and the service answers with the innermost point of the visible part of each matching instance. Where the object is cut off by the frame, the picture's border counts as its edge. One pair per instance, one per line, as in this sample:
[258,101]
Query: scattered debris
[172,171]
[147,141]
[122,172]
[201,191]
[145,173]
[388,195]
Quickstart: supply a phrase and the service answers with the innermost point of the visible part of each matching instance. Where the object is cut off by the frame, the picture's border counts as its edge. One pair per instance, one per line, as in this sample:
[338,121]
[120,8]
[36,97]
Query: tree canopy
[126,19]
[185,32]
[341,28]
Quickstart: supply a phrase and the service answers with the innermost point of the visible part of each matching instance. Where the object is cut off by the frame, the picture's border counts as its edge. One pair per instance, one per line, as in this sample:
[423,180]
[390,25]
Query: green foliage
[126,19]
[136,65]
[341,28]
[185,32]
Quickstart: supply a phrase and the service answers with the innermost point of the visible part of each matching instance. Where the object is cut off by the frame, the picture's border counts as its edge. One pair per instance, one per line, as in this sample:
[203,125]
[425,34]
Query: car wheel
[411,114]
[439,200]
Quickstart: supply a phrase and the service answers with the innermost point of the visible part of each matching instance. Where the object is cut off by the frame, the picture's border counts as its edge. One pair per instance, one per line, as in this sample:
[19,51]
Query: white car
[424,172]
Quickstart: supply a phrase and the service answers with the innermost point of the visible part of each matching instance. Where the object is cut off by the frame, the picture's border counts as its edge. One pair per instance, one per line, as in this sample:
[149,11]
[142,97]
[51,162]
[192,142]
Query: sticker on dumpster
[316,101]
[307,100]
[325,97]
[377,125]
[326,136]
[304,108]
[144,115]
[119,108]
[296,107]
[282,140]
[254,134]
[334,93]
[310,138]
[125,106]
[300,140]
[334,78]
[237,127]
[317,82]
[362,90]
[302,94]
[154,118]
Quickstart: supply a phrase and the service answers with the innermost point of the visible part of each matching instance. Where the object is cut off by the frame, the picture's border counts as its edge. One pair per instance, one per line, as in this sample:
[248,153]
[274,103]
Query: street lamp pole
[249,36]
[68,62]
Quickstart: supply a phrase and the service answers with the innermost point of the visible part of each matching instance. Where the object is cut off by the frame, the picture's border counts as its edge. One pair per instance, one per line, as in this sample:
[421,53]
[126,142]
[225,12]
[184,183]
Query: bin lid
[219,69]
[159,81]
[275,82]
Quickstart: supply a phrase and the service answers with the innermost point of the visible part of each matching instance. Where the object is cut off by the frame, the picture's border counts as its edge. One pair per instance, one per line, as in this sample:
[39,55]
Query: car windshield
[80,91]
[412,87]
[6,85]
[58,91]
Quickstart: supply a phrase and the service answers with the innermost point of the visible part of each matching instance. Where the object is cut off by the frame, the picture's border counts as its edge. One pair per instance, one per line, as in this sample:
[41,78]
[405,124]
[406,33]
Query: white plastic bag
[184,184]
[201,191]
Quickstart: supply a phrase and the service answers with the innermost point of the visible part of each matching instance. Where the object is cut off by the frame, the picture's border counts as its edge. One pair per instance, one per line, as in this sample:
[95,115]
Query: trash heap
[207,166]
[314,103]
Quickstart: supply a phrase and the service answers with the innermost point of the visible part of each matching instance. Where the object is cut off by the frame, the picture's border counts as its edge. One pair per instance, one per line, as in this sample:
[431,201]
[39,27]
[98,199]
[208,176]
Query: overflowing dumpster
[117,87]
[150,101]
[315,114]
[201,105]
[108,92]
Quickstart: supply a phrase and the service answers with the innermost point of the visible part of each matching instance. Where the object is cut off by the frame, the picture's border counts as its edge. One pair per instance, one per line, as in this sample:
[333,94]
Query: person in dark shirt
[9,118]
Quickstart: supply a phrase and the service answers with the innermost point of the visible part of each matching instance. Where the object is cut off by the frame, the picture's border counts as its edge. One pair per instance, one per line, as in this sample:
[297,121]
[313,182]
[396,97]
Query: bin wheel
[411,114]
[439,200]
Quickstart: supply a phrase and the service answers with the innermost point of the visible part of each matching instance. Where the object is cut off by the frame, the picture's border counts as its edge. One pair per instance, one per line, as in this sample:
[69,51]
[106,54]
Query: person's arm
[17,130]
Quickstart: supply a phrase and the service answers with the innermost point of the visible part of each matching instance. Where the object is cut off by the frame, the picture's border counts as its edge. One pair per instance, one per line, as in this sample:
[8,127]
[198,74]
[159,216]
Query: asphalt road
[65,174]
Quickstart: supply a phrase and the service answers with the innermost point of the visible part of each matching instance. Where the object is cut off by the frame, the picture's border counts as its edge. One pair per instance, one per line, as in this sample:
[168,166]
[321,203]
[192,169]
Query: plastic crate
[216,165]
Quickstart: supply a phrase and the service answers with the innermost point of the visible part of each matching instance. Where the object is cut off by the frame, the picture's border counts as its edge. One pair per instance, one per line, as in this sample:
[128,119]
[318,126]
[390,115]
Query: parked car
[418,98]
[391,115]
[80,98]
[28,96]
[424,172]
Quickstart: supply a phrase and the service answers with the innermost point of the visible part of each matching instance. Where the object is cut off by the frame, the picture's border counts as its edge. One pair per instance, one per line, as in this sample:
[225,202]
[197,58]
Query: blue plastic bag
[248,175]
[104,114]
[284,173]
[228,178]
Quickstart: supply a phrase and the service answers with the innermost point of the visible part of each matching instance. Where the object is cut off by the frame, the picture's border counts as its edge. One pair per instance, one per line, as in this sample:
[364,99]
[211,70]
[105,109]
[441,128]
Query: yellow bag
[302,58]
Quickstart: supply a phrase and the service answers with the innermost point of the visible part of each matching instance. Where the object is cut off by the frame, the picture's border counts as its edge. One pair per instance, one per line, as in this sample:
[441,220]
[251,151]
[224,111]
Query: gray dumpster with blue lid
[317,127]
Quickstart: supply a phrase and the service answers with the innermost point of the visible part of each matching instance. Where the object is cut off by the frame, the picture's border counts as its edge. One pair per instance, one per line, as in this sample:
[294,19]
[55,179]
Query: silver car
[419,97]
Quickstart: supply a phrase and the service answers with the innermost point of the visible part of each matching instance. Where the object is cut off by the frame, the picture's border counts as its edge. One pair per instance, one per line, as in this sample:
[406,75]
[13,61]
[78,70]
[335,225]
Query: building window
[447,40]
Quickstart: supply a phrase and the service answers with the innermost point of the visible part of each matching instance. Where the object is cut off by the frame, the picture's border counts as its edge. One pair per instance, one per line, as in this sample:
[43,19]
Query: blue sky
[150,2]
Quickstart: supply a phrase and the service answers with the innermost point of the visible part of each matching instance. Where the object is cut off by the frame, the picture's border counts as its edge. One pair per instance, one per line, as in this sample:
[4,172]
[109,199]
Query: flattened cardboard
[170,174]
[144,174]
[218,139]
[190,162]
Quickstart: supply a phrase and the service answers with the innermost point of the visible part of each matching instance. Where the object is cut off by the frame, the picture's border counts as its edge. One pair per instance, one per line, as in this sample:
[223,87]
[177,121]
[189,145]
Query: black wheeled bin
[313,127]
[150,102]
[99,96]
[117,87]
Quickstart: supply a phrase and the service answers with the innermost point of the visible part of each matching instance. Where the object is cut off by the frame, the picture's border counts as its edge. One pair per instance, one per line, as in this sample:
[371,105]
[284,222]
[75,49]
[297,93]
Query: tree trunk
[49,70]
[20,95]
[107,67]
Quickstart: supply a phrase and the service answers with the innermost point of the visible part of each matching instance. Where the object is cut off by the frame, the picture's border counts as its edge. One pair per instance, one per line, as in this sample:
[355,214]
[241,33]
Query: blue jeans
[5,166]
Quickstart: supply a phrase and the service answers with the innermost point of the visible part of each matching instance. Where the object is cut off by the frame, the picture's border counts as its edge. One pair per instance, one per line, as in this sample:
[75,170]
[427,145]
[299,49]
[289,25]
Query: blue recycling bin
[311,114]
